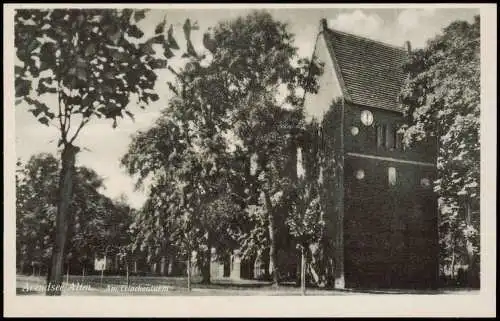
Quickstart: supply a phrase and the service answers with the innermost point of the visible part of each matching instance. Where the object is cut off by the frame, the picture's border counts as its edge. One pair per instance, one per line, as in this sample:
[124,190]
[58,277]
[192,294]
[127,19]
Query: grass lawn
[164,286]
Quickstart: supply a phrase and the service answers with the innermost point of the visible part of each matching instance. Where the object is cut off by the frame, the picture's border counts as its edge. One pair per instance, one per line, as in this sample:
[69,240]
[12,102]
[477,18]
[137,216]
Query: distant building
[102,263]
[384,222]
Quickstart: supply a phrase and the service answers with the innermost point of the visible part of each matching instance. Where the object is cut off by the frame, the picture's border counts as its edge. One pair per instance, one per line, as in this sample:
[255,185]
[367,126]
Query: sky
[104,146]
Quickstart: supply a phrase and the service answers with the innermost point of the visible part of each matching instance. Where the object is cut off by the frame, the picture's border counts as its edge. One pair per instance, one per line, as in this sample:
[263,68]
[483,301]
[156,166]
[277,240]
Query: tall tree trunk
[65,195]
[298,269]
[205,269]
[452,270]
[116,263]
[128,274]
[189,271]
[266,262]
[171,265]
[206,262]
[471,270]
[163,264]
[273,250]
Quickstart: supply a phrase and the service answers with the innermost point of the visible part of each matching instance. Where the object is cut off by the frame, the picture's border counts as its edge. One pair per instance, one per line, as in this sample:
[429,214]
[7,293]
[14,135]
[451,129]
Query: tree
[306,221]
[224,112]
[35,209]
[270,140]
[189,181]
[442,98]
[165,225]
[98,222]
[259,64]
[94,61]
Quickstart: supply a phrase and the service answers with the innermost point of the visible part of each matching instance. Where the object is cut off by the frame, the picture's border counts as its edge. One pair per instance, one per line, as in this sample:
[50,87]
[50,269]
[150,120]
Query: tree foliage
[185,155]
[306,218]
[94,62]
[225,112]
[98,222]
[442,100]
[267,79]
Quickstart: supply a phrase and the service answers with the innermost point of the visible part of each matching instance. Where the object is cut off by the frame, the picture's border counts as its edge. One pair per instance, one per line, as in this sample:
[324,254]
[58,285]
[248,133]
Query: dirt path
[165,286]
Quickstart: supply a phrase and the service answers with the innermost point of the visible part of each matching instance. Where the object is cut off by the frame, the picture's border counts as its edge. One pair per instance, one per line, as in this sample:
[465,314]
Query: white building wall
[316,105]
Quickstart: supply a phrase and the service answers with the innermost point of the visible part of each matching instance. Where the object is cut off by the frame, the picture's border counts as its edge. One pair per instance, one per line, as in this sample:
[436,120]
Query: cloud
[358,22]
[370,25]
[416,25]
[410,19]
[421,25]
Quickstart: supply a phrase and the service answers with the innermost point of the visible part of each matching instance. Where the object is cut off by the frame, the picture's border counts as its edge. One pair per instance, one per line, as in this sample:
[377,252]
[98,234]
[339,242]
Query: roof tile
[371,71]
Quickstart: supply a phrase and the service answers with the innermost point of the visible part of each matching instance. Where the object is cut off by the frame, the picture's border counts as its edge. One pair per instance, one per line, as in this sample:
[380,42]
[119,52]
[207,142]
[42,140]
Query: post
[189,272]
[67,274]
[162,265]
[469,246]
[303,270]
[128,280]
[83,273]
[102,275]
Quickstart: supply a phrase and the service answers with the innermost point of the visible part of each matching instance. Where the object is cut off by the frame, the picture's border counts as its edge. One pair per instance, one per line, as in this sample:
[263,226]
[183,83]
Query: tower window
[390,139]
[394,134]
[380,136]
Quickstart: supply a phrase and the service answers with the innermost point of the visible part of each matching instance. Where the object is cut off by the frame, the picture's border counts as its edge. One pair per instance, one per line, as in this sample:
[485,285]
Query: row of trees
[94,62]
[221,156]
[220,161]
[98,226]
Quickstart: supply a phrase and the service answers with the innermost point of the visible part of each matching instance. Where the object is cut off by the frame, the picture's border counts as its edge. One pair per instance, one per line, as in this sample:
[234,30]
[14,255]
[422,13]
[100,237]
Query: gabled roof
[370,72]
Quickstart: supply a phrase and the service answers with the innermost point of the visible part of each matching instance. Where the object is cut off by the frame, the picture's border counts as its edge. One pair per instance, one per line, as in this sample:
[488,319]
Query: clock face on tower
[366,117]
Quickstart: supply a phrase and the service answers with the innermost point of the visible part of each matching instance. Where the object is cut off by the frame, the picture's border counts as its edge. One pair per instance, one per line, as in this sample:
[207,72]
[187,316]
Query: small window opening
[380,136]
[389,137]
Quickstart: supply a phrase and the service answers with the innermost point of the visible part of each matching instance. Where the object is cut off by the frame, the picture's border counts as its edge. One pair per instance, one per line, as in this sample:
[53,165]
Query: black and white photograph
[249,151]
